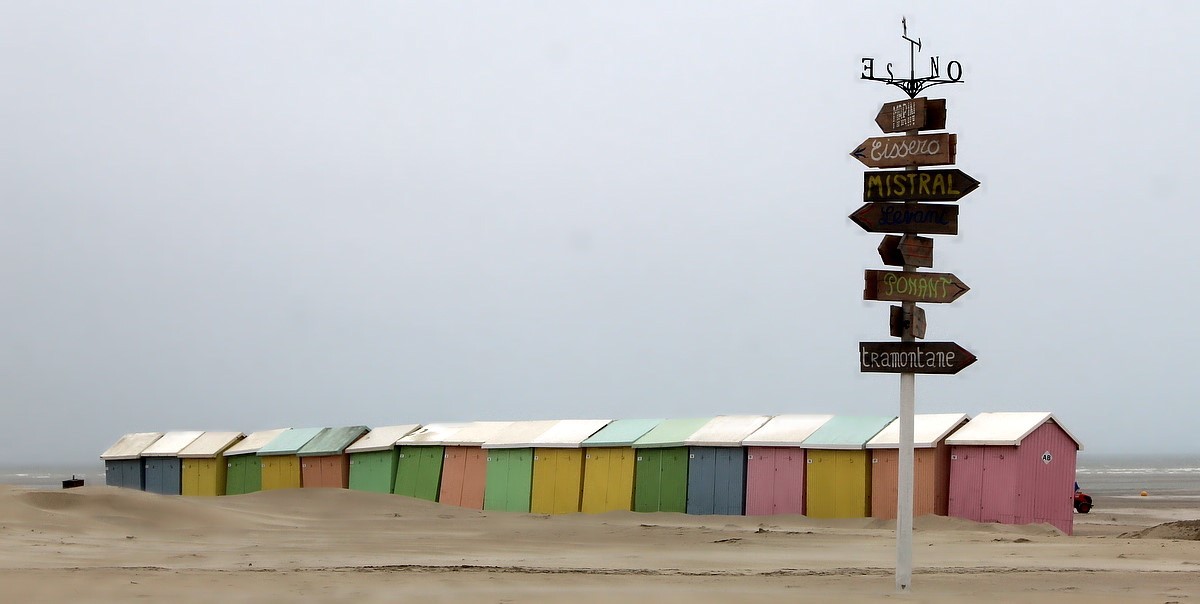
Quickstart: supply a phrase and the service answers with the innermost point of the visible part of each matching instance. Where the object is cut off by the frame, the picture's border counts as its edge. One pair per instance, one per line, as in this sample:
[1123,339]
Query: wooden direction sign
[901,323]
[913,357]
[897,286]
[909,250]
[927,218]
[927,185]
[907,151]
[912,114]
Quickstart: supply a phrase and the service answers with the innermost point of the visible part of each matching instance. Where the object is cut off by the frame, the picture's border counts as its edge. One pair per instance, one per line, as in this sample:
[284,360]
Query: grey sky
[227,216]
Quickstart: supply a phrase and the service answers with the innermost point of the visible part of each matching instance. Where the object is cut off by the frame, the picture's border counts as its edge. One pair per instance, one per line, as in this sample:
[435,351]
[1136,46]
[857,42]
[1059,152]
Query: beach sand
[102,544]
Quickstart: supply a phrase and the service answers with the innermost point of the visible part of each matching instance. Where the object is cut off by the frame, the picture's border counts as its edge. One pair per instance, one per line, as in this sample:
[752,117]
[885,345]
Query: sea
[1165,476]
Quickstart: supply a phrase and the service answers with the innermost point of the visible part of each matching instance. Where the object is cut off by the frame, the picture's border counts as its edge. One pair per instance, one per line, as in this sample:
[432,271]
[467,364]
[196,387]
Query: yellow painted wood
[204,477]
[839,484]
[280,472]
[608,479]
[557,481]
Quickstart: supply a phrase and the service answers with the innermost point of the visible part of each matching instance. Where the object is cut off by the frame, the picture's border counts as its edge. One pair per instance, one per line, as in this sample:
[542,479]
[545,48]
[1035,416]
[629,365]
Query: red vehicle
[1083,501]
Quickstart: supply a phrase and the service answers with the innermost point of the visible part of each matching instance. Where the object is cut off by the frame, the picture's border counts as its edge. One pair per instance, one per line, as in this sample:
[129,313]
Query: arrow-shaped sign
[897,286]
[912,114]
[906,151]
[913,357]
[911,250]
[927,218]
[926,185]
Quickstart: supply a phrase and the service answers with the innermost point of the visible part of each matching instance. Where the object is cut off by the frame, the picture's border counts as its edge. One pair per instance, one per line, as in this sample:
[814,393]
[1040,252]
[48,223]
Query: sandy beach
[102,544]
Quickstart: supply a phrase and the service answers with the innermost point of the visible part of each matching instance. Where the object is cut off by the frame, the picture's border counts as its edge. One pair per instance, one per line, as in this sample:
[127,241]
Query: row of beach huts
[1009,467]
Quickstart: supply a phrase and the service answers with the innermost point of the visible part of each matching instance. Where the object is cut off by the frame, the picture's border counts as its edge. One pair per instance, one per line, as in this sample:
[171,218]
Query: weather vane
[914,85]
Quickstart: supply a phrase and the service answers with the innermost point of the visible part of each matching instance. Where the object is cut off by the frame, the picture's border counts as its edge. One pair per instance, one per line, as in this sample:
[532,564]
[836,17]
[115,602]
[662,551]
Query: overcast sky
[223,215]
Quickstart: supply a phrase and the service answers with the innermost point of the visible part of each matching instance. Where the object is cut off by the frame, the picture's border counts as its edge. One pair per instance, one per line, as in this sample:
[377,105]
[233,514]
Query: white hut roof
[130,446]
[254,442]
[1004,428]
[475,434]
[381,439]
[171,443]
[519,434]
[432,434]
[928,430]
[726,431]
[210,444]
[785,430]
[569,433]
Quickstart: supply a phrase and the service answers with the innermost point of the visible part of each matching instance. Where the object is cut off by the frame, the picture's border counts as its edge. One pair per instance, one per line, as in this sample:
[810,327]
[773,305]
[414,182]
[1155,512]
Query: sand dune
[107,544]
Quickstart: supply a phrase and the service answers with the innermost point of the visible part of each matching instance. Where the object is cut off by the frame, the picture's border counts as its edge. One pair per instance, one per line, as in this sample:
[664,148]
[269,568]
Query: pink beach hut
[775,464]
[1013,468]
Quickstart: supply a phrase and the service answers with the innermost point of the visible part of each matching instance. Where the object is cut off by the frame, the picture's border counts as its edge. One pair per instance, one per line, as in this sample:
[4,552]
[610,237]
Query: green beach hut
[421,457]
[661,472]
[243,470]
[373,458]
[510,466]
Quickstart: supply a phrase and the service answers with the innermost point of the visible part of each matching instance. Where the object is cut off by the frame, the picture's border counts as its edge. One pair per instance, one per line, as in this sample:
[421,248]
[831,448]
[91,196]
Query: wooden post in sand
[910,151]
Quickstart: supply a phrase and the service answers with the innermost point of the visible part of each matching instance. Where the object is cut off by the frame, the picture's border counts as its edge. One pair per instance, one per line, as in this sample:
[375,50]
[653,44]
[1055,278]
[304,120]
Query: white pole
[904,483]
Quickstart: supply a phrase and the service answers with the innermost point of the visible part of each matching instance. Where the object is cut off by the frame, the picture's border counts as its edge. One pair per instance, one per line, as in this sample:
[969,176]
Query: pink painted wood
[775,480]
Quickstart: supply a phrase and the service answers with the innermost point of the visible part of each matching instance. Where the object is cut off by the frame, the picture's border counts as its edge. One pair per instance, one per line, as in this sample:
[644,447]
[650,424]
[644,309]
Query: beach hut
[324,462]
[204,470]
[1013,468]
[776,463]
[558,466]
[608,465]
[510,466]
[164,473]
[931,464]
[280,462]
[838,484]
[661,466]
[717,464]
[464,464]
[420,459]
[373,458]
[123,460]
[243,470]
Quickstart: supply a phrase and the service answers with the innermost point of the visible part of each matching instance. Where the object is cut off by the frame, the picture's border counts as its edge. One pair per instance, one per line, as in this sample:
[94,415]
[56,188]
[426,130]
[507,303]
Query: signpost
[911,151]
[926,185]
[908,150]
[928,218]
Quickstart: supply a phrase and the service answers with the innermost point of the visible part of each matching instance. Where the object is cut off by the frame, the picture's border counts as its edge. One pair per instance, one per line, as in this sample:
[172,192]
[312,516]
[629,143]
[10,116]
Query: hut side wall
[126,473]
[163,475]
[280,472]
[557,481]
[966,482]
[839,484]
[204,477]
[608,479]
[885,472]
[509,480]
[1046,488]
[373,471]
[243,474]
[419,471]
[775,480]
[661,480]
[464,477]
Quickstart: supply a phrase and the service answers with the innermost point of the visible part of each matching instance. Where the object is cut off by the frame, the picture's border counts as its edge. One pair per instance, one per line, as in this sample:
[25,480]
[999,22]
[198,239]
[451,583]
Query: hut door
[701,480]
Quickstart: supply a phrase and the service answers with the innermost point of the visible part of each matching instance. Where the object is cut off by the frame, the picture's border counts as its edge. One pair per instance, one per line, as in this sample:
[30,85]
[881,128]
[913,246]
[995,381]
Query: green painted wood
[373,471]
[671,432]
[674,476]
[332,441]
[847,432]
[509,481]
[647,484]
[243,474]
[419,472]
[621,433]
